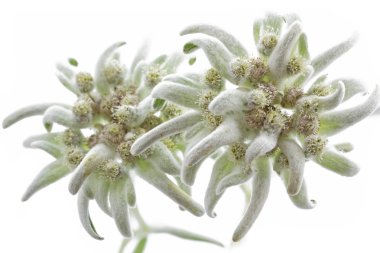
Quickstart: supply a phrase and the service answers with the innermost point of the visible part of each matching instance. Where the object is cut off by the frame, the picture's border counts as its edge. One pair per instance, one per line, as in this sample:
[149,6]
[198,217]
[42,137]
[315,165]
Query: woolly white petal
[177,93]
[333,122]
[84,216]
[240,174]
[99,187]
[231,43]
[281,54]
[222,167]
[352,87]
[163,158]
[62,116]
[260,191]
[301,199]
[131,194]
[331,101]
[226,133]
[303,77]
[229,101]
[296,159]
[323,60]
[138,73]
[216,52]
[49,137]
[89,163]
[51,148]
[68,83]
[165,129]
[65,70]
[181,79]
[262,144]
[166,186]
[100,80]
[28,111]
[119,207]
[172,62]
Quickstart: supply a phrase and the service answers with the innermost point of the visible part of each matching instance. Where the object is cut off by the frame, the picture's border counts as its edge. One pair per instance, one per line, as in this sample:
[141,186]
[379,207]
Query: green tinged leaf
[184,234]
[189,47]
[303,48]
[272,23]
[140,247]
[192,60]
[158,103]
[256,30]
[73,62]
[344,147]
[337,163]
[48,175]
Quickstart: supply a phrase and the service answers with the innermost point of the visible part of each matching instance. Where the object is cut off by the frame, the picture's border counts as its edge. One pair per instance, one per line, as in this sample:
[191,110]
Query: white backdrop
[37,34]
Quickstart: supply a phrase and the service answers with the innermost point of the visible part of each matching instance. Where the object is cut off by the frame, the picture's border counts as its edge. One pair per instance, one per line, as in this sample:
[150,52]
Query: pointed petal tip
[48,126]
[211,214]
[98,237]
[135,150]
[294,186]
[5,124]
[187,180]
[293,190]
[200,212]
[236,237]
[354,38]
[25,197]
[73,188]
[183,32]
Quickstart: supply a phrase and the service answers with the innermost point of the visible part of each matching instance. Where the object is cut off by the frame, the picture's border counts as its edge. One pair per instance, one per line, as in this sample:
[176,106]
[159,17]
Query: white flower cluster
[278,114]
[251,113]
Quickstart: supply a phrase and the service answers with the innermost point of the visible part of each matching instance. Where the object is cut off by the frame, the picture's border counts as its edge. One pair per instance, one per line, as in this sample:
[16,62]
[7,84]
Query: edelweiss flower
[280,112]
[115,105]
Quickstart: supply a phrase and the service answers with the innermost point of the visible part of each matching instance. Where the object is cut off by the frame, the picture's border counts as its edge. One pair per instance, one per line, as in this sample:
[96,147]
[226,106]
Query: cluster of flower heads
[115,104]
[251,113]
[276,114]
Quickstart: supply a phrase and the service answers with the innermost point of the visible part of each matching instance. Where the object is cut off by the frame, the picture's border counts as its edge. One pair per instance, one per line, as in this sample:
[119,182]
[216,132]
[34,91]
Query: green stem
[123,245]
[143,225]
[247,193]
